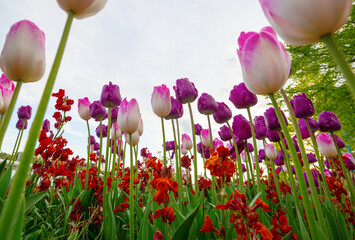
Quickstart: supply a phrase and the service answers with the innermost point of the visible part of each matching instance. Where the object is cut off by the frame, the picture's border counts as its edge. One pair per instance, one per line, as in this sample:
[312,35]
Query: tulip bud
[223,113]
[84,108]
[241,127]
[110,95]
[349,161]
[24,112]
[313,124]
[302,106]
[184,151]
[198,129]
[270,151]
[279,160]
[82,8]
[160,101]
[23,55]
[129,116]
[185,91]
[116,131]
[186,141]
[206,104]
[260,127]
[97,111]
[176,110]
[7,88]
[241,97]
[311,158]
[328,122]
[273,136]
[140,129]
[135,138]
[224,133]
[326,145]
[272,122]
[206,137]
[104,131]
[46,125]
[21,123]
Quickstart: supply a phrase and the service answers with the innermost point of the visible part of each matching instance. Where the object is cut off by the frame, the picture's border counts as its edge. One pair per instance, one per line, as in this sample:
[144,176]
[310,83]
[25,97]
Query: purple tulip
[198,129]
[244,169]
[328,122]
[339,141]
[170,145]
[225,133]
[311,158]
[272,122]
[279,160]
[223,113]
[302,106]
[96,146]
[46,125]
[97,111]
[273,136]
[349,161]
[241,127]
[199,147]
[104,131]
[185,91]
[176,110]
[92,140]
[293,169]
[24,112]
[313,124]
[206,104]
[21,123]
[110,95]
[241,97]
[240,146]
[114,112]
[260,127]
[261,155]
[250,147]
[294,140]
[315,175]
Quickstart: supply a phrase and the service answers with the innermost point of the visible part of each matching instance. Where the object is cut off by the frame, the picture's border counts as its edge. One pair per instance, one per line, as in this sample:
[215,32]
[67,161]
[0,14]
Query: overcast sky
[138,44]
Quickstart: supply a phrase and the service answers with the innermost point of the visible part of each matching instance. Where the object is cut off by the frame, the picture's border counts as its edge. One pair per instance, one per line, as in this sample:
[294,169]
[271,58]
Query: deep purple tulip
[176,110]
[24,112]
[279,160]
[313,124]
[104,131]
[223,113]
[302,106]
[96,146]
[260,127]
[199,147]
[293,169]
[110,95]
[261,155]
[97,111]
[339,141]
[241,127]
[114,112]
[185,91]
[241,97]
[349,161]
[311,158]
[240,146]
[315,175]
[224,133]
[206,104]
[328,122]
[244,169]
[294,140]
[170,145]
[92,140]
[207,153]
[46,125]
[250,147]
[273,136]
[21,123]
[198,129]
[271,120]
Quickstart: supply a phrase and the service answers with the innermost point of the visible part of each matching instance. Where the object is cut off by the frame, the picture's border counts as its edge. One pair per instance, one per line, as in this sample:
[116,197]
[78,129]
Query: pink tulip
[116,131]
[135,138]
[23,55]
[140,129]
[206,137]
[7,88]
[305,21]
[160,101]
[326,145]
[270,151]
[265,63]
[129,116]
[82,8]
[186,141]
[83,108]
[184,151]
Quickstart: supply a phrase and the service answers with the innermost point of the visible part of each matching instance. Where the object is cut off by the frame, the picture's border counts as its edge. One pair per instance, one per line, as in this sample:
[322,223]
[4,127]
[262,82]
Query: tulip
[92,139]
[140,129]
[223,113]
[311,158]
[7,88]
[170,145]
[160,101]
[315,175]
[198,129]
[110,95]
[273,136]
[272,122]
[240,146]
[302,106]
[206,104]
[176,109]
[261,155]
[217,143]
[116,131]
[224,133]
[328,122]
[135,138]
[82,8]
[24,112]
[23,55]
[305,22]
[184,151]
[294,140]
[21,123]
[339,141]
[206,137]
[260,127]
[128,116]
[244,169]
[46,125]
[313,124]
[186,142]
[241,127]
[250,147]
[84,108]
[96,146]
[326,145]
[241,97]
[97,111]
[270,151]
[279,160]
[185,91]
[349,161]
[265,63]
[104,131]
[114,112]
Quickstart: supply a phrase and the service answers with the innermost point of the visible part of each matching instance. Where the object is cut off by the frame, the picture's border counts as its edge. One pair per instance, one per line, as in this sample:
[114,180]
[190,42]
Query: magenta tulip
[110,95]
[206,137]
[241,97]
[7,88]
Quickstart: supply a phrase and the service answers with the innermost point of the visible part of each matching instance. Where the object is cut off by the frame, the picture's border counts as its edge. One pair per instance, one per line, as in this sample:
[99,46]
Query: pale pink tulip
[206,137]
[82,8]
[326,145]
[83,108]
[186,141]
[116,131]
[135,138]
[160,101]
[129,116]
[270,151]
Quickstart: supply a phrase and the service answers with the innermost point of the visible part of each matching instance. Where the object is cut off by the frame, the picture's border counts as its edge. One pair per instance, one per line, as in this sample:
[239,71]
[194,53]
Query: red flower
[208,226]
[166,213]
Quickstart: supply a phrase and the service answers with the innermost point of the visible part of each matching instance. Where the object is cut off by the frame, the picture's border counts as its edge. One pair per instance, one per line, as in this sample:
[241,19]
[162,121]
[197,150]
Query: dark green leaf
[33,199]
[182,232]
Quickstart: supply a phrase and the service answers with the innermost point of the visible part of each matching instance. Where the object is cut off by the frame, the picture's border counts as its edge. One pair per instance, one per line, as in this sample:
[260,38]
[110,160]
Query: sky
[138,44]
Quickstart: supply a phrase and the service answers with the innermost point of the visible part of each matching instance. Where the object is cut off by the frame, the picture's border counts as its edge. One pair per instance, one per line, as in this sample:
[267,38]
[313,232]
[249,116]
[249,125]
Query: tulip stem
[164,144]
[88,159]
[339,58]
[7,116]
[302,184]
[100,151]
[114,152]
[195,150]
[131,207]
[14,200]
[210,129]
[119,160]
[105,202]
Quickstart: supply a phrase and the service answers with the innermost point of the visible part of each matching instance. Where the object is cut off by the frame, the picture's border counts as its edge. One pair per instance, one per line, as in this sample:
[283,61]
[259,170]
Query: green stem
[339,59]
[249,162]
[119,160]
[105,210]
[114,153]
[88,159]
[302,184]
[210,129]
[18,145]
[255,151]
[197,191]
[131,207]
[164,144]
[15,146]
[100,152]
[14,199]
[7,116]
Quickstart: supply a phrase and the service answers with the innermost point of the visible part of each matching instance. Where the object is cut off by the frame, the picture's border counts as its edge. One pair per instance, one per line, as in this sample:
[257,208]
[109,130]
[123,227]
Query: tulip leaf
[182,232]
[20,221]
[5,182]
[146,230]
[33,199]
[86,200]
[337,226]
[2,166]
[109,222]
[254,199]
[288,236]
[303,228]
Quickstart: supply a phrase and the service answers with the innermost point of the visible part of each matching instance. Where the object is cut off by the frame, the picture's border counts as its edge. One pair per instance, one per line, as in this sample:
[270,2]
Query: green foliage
[315,73]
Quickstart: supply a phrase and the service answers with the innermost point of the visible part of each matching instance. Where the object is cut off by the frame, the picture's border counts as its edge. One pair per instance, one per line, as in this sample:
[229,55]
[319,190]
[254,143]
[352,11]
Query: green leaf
[2,166]
[254,199]
[146,230]
[182,232]
[5,182]
[33,199]
[86,200]
[288,236]
[303,229]
[109,222]
[20,221]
